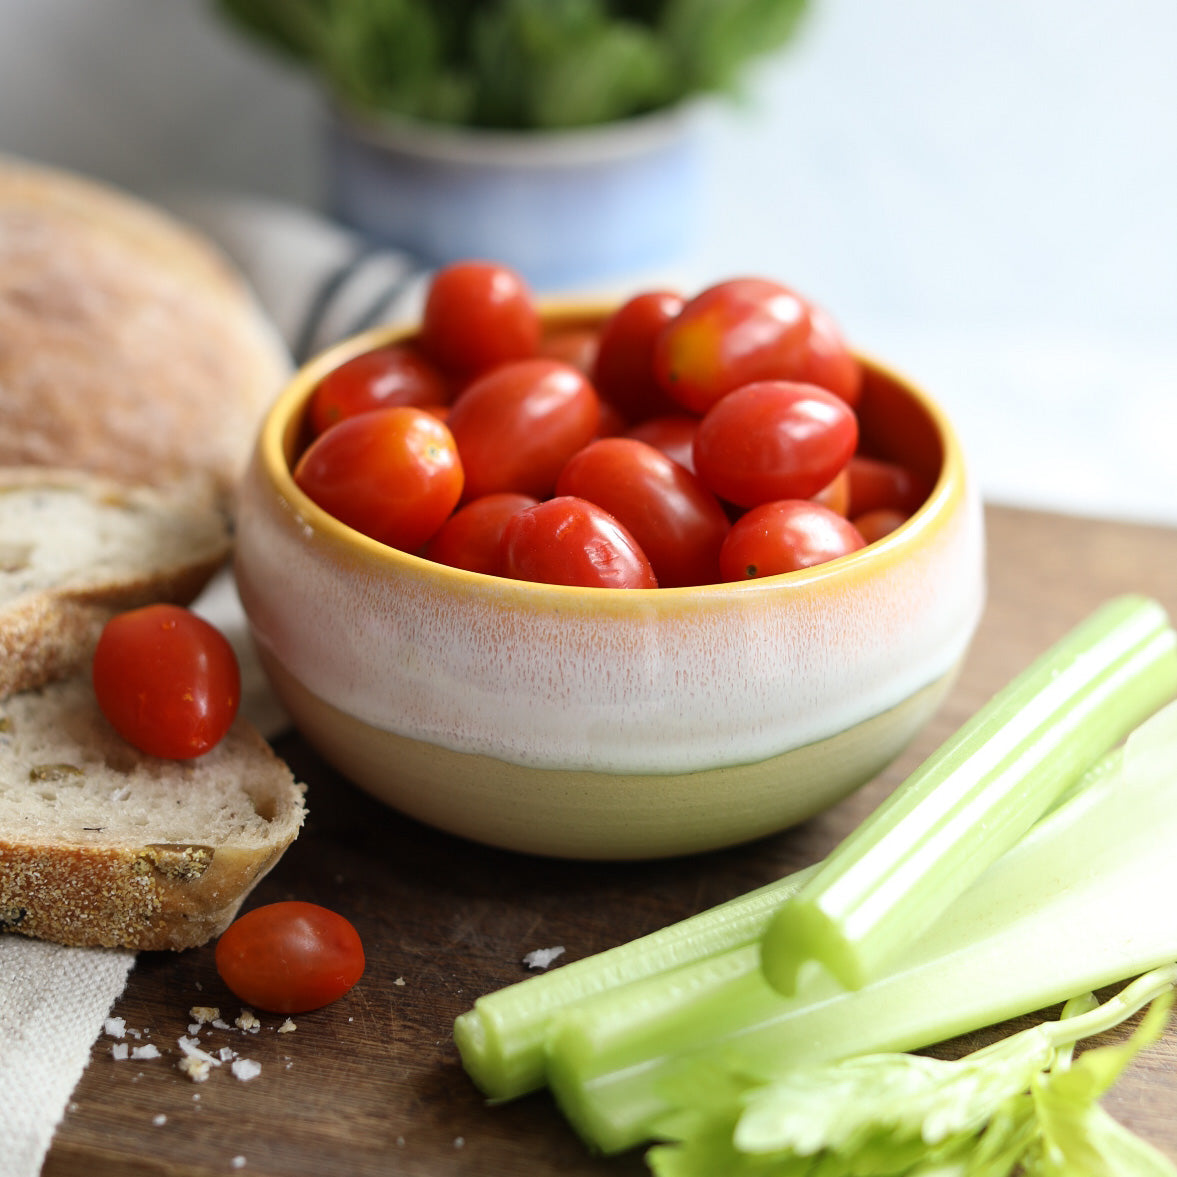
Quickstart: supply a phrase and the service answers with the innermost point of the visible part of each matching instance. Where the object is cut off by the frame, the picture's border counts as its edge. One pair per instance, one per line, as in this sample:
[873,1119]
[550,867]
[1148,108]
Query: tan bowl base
[594,815]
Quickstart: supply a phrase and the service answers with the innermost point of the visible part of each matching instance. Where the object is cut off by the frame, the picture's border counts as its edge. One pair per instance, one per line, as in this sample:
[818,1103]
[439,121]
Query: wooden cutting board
[372,1085]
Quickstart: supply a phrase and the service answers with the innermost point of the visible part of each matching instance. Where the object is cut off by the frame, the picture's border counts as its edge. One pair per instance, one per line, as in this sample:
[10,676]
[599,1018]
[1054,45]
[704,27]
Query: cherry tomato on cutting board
[567,540]
[731,334]
[516,426]
[774,440]
[472,536]
[290,957]
[478,315]
[378,379]
[785,536]
[167,681]
[393,474]
[676,520]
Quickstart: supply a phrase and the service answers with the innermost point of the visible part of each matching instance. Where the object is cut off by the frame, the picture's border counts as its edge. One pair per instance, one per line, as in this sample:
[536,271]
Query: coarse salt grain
[160,1120]
[115,1027]
[246,1069]
[148,1051]
[120,1050]
[540,958]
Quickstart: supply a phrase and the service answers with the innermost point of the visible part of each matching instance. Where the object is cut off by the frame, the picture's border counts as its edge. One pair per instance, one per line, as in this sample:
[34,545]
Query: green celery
[1081,902]
[501,1040]
[975,797]
[1020,1102]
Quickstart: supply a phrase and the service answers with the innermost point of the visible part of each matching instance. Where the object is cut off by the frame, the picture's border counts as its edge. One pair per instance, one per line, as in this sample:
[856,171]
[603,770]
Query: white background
[984,193]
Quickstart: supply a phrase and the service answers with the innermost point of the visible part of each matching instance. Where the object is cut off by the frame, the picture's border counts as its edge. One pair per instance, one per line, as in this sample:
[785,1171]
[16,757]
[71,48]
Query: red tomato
[571,345]
[836,494]
[774,440]
[290,957]
[393,474]
[785,536]
[167,681]
[733,333]
[828,362]
[478,315]
[674,435]
[676,520]
[516,426]
[472,536]
[379,379]
[624,371]
[878,523]
[570,541]
[876,483]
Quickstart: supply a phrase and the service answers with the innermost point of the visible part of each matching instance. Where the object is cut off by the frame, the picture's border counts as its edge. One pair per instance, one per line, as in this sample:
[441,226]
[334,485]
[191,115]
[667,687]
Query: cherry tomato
[624,371]
[167,681]
[676,520]
[516,426]
[875,524]
[733,333]
[876,483]
[393,474]
[478,315]
[290,957]
[471,537]
[568,540]
[785,536]
[379,379]
[774,440]
[673,434]
[836,494]
[828,362]
[571,345]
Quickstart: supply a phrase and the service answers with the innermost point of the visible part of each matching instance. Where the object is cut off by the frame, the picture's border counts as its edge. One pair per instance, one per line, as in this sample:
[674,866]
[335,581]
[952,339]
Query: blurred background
[983,194]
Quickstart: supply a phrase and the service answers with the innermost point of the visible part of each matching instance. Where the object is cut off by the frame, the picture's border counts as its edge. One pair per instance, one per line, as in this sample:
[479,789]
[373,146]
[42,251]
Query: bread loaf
[128,345]
[103,845]
[74,548]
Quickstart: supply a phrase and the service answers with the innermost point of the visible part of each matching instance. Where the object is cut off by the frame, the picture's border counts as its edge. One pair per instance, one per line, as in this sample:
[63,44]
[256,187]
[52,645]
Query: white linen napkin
[318,283]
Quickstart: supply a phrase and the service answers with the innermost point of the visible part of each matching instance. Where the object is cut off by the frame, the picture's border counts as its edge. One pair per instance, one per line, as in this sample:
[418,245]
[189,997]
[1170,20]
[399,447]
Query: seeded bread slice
[101,845]
[75,548]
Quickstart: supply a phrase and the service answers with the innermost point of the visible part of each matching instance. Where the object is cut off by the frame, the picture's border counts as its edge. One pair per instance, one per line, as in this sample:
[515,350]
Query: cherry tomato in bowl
[393,474]
[290,957]
[167,680]
[785,536]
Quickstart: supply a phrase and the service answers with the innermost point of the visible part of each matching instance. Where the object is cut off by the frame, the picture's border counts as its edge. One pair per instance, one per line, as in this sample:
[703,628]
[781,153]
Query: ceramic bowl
[604,723]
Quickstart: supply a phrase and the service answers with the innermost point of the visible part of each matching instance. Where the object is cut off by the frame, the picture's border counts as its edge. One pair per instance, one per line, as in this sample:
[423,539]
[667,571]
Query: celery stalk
[975,797]
[501,1040]
[1081,902]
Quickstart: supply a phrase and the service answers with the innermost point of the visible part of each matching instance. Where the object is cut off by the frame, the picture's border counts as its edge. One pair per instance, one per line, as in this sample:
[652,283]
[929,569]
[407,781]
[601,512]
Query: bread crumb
[160,1120]
[115,1027]
[204,1013]
[148,1051]
[120,1050]
[399,981]
[287,1027]
[247,1020]
[246,1069]
[540,958]
[197,1069]
[220,1024]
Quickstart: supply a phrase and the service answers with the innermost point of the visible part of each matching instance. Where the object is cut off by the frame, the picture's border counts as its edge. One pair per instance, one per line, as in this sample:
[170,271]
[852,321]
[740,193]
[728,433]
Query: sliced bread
[101,845]
[74,548]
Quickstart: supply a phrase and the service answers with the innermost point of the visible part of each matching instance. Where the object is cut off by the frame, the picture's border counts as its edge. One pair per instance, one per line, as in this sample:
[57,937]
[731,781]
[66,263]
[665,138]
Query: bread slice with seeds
[101,845]
[75,548]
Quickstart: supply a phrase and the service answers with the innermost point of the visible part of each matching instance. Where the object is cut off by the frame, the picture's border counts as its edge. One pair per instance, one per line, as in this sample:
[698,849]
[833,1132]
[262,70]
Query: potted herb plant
[555,135]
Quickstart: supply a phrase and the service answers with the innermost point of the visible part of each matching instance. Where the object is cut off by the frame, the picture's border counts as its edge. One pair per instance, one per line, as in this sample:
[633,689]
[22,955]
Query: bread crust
[128,344]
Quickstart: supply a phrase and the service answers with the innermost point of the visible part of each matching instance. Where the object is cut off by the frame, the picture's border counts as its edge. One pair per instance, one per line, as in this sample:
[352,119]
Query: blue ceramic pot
[568,209]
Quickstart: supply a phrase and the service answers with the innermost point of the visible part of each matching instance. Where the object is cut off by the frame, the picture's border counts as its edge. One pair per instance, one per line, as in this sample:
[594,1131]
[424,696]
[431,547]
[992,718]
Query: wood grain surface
[373,1085]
